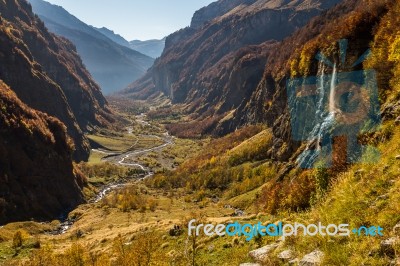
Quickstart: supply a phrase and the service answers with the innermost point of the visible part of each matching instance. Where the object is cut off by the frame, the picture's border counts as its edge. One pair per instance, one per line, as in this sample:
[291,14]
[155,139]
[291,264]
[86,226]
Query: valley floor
[141,215]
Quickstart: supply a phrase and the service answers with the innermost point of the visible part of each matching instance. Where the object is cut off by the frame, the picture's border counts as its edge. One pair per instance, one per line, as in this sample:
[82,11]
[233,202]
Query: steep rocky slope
[215,10]
[112,65]
[47,74]
[295,57]
[213,66]
[37,177]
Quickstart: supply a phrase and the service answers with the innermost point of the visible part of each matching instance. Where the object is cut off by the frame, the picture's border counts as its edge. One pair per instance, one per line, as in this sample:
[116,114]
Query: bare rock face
[215,10]
[231,70]
[37,177]
[47,101]
[268,103]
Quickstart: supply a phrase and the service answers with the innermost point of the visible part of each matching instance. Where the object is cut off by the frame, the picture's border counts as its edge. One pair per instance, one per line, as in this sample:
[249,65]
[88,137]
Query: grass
[113,143]
[95,157]
[367,197]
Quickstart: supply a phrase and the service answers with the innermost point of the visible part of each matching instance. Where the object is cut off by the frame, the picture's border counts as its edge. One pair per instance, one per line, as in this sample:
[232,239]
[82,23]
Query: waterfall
[323,121]
[332,106]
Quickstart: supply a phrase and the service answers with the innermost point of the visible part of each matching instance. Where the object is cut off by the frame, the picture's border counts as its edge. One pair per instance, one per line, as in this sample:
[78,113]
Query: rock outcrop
[261,254]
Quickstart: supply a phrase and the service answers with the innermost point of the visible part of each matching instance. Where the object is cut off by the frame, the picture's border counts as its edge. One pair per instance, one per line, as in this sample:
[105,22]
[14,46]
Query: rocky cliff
[47,74]
[356,21]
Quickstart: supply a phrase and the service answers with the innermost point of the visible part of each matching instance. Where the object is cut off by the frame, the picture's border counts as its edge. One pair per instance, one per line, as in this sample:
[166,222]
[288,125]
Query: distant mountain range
[152,48]
[112,64]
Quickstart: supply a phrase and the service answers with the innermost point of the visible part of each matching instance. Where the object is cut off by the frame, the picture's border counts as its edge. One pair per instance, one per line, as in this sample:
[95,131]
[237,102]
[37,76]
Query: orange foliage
[291,195]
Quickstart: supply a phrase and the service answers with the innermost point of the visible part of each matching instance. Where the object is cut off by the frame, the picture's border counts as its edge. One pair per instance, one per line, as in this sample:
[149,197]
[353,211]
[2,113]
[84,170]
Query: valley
[261,113]
[128,158]
[143,190]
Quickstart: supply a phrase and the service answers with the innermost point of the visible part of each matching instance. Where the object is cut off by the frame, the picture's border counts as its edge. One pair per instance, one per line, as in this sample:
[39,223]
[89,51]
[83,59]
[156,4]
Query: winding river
[119,159]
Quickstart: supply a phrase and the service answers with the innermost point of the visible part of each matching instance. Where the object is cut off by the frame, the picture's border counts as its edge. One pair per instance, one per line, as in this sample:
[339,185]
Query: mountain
[112,65]
[360,24]
[114,37]
[215,65]
[152,48]
[47,101]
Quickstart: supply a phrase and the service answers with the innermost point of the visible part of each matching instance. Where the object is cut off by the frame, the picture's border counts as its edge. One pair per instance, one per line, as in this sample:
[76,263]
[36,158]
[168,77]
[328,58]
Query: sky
[135,19]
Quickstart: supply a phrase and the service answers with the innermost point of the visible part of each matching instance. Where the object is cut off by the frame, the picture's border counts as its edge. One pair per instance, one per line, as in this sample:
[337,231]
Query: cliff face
[182,66]
[37,177]
[47,74]
[356,21]
[215,10]
[227,75]
[214,66]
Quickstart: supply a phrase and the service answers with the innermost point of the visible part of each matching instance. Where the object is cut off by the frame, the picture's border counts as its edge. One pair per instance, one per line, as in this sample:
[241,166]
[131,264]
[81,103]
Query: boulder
[261,254]
[312,259]
[286,255]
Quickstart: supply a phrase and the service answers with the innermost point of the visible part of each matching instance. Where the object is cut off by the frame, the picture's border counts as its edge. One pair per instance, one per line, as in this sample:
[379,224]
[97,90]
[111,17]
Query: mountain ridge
[112,65]
[152,48]
[48,101]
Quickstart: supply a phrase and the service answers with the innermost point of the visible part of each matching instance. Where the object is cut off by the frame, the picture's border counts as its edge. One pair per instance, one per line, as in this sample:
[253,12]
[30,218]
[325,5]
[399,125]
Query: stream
[119,159]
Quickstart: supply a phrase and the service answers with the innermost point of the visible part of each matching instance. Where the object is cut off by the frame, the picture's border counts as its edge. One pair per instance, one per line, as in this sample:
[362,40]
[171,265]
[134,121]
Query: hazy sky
[135,19]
